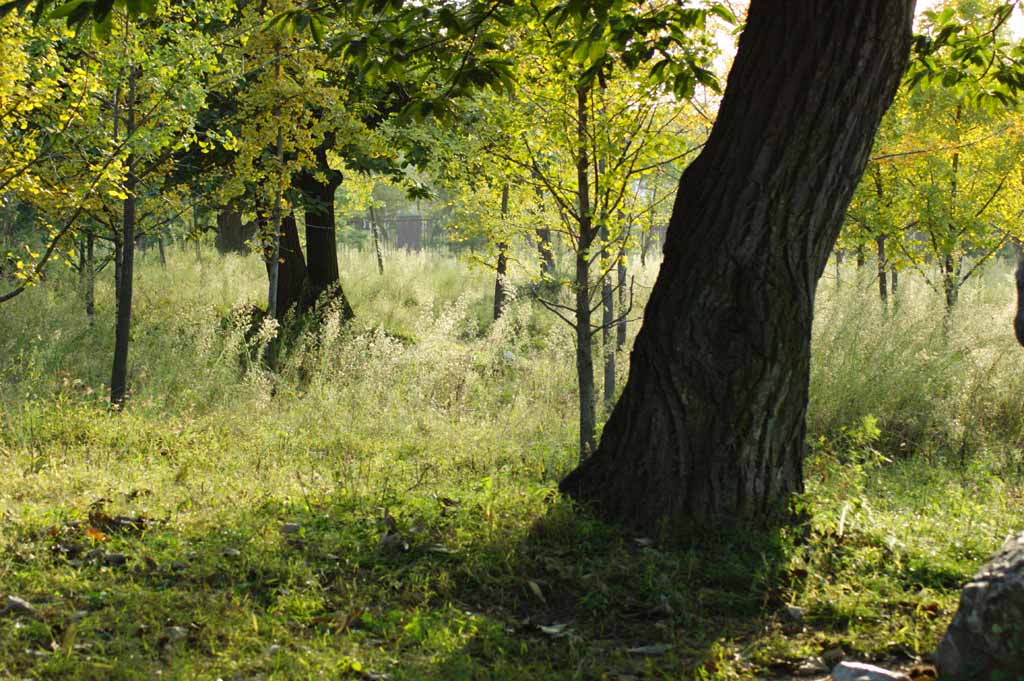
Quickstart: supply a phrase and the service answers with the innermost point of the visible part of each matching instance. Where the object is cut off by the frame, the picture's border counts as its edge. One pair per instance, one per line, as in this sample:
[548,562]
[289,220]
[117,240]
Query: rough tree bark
[232,233]
[292,274]
[321,237]
[709,430]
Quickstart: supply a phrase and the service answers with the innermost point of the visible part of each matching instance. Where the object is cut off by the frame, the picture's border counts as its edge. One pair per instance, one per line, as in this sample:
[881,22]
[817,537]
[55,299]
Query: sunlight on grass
[385,505]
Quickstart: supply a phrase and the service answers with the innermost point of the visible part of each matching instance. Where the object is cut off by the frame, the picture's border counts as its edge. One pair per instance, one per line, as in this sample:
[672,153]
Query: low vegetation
[385,505]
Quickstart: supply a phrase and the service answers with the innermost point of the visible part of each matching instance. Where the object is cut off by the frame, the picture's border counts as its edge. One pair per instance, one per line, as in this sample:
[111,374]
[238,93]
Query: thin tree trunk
[584,333]
[376,242]
[895,278]
[607,289]
[546,253]
[197,234]
[273,263]
[621,325]
[501,280]
[883,292]
[501,270]
[1018,320]
[118,250]
[122,332]
[950,282]
[163,254]
[607,345]
[89,277]
[840,256]
[709,430]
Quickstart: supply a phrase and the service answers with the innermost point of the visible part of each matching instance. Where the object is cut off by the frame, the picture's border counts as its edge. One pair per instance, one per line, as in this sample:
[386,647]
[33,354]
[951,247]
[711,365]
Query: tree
[709,430]
[941,191]
[586,129]
[145,80]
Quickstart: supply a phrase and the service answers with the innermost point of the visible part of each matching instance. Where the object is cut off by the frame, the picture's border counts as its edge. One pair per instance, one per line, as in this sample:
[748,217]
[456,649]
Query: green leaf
[70,8]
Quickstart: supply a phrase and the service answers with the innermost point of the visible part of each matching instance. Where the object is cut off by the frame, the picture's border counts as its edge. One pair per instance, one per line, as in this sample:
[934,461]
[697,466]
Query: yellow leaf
[95,535]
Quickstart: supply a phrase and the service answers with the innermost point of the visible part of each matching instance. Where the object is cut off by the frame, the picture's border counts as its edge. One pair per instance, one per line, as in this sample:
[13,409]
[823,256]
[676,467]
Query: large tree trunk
[232,234]
[292,278]
[321,238]
[709,430]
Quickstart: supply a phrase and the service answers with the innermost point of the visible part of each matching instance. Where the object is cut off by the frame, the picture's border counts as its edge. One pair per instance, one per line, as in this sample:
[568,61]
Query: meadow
[385,505]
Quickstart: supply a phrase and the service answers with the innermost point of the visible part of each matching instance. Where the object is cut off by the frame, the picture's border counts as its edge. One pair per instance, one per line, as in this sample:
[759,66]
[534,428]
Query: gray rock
[833,656]
[291,528]
[17,606]
[794,613]
[858,671]
[985,640]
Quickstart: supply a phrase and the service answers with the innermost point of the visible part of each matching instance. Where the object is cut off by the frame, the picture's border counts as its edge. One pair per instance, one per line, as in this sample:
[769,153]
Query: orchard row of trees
[563,125]
[258,112]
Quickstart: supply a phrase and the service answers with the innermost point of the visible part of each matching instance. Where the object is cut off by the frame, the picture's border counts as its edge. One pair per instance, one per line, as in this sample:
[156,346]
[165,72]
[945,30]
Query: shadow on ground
[432,588]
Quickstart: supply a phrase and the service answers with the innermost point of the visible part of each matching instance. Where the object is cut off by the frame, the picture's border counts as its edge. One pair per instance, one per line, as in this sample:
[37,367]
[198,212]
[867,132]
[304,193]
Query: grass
[385,506]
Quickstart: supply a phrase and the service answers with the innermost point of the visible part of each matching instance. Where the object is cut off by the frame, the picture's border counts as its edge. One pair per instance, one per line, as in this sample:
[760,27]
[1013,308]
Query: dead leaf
[96,535]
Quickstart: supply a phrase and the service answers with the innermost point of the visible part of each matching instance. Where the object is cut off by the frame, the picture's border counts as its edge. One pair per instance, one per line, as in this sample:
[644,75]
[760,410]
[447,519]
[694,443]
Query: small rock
[393,541]
[175,634]
[231,553]
[291,528]
[17,606]
[115,559]
[858,671]
[96,554]
[984,638]
[273,649]
[794,613]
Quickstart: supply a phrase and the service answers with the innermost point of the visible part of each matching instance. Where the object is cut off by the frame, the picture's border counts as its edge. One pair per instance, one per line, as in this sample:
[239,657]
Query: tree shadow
[404,596]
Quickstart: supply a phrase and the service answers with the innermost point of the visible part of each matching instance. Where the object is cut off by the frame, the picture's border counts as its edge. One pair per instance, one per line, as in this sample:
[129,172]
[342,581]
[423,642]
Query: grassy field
[385,506]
